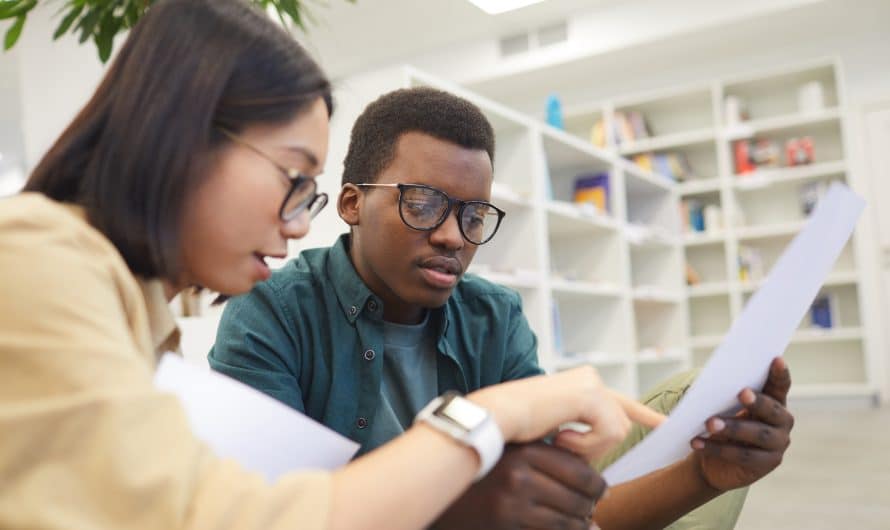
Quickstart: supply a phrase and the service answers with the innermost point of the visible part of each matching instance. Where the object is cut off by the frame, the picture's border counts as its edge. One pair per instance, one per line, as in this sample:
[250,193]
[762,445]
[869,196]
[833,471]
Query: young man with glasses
[362,335]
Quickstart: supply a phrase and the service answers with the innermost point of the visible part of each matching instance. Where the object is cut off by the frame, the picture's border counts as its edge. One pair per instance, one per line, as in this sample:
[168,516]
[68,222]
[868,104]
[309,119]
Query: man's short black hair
[426,110]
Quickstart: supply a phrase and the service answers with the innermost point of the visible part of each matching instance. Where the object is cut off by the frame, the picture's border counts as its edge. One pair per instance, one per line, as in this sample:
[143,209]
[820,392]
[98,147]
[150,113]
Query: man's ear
[349,203]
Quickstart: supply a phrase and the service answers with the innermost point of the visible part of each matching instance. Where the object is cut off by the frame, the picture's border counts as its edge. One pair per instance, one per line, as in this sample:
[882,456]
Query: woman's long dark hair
[138,148]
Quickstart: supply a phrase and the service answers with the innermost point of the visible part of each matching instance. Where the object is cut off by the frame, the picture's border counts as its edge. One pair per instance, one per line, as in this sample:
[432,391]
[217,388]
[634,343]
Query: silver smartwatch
[469,424]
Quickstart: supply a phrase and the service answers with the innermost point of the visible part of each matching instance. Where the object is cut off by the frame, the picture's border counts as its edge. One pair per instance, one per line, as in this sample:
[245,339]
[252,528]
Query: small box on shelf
[593,190]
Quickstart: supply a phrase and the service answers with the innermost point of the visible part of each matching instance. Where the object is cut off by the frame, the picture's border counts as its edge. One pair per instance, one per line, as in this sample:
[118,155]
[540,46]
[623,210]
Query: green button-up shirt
[312,337]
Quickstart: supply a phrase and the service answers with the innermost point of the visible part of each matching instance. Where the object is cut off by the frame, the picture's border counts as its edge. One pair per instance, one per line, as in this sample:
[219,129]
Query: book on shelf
[698,217]
[630,126]
[824,312]
[638,125]
[592,188]
[598,133]
[674,166]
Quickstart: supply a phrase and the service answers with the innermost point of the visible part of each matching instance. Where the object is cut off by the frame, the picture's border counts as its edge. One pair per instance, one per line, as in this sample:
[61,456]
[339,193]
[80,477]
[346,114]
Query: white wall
[56,78]
[857,32]
[12,151]
[599,31]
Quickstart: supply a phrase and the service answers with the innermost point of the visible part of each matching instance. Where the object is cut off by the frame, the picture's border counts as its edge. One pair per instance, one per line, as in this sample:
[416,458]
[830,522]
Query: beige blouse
[85,440]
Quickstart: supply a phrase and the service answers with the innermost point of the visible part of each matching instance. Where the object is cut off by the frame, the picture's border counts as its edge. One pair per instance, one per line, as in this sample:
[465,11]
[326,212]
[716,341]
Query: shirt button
[353,310]
[372,305]
[369,355]
[362,423]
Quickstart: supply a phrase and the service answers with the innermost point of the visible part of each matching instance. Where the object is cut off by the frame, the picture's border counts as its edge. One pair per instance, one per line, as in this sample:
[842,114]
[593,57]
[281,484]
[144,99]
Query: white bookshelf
[613,278]
[758,213]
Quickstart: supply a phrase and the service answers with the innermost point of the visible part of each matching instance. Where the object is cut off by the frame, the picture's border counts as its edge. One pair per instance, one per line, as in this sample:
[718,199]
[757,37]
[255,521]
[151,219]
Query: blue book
[820,312]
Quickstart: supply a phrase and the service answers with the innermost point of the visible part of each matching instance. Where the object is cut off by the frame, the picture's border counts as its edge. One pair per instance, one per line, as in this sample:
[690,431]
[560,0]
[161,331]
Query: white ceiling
[355,37]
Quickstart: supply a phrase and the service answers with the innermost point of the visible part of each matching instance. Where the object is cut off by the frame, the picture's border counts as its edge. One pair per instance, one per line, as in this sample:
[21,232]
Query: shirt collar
[161,324]
[352,293]
[355,297]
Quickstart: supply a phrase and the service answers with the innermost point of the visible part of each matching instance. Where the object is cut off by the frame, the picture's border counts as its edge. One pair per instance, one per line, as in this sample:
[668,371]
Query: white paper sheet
[761,332]
[240,423]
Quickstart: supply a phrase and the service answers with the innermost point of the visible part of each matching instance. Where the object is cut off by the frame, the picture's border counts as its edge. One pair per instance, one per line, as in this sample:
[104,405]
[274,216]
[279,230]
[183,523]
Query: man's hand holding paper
[744,447]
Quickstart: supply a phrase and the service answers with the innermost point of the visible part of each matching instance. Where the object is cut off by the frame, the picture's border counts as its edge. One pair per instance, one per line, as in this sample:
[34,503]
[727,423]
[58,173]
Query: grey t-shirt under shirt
[409,379]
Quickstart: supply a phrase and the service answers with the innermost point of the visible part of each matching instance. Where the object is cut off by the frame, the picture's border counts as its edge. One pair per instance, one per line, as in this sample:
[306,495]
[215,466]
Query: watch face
[462,412]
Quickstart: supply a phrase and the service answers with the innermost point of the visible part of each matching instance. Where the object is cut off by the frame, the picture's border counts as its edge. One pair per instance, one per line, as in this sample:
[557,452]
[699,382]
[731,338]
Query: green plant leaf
[104,38]
[67,21]
[12,34]
[292,8]
[102,20]
[88,23]
[16,8]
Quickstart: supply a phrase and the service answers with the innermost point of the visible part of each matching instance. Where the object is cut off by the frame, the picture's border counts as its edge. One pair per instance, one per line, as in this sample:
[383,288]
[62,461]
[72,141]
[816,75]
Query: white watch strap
[486,439]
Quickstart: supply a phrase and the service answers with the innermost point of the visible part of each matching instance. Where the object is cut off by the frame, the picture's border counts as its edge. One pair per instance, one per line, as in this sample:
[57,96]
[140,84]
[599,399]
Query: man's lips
[440,272]
[442,264]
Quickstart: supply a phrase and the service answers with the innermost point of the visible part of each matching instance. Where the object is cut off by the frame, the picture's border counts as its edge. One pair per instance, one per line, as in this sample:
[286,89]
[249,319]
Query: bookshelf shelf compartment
[765,178]
[591,325]
[569,219]
[694,239]
[709,316]
[520,281]
[700,186]
[704,290]
[771,231]
[641,181]
[669,141]
[567,289]
[791,123]
[805,336]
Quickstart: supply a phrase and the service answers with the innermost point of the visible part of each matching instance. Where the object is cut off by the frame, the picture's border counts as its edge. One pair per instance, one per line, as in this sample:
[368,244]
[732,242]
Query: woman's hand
[529,409]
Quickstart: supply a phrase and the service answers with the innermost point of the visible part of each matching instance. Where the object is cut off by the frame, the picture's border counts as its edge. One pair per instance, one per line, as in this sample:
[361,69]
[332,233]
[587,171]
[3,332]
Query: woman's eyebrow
[310,156]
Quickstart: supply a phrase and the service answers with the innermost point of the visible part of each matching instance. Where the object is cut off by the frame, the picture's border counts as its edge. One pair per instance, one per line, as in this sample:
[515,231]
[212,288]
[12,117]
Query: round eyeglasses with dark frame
[425,208]
[302,192]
